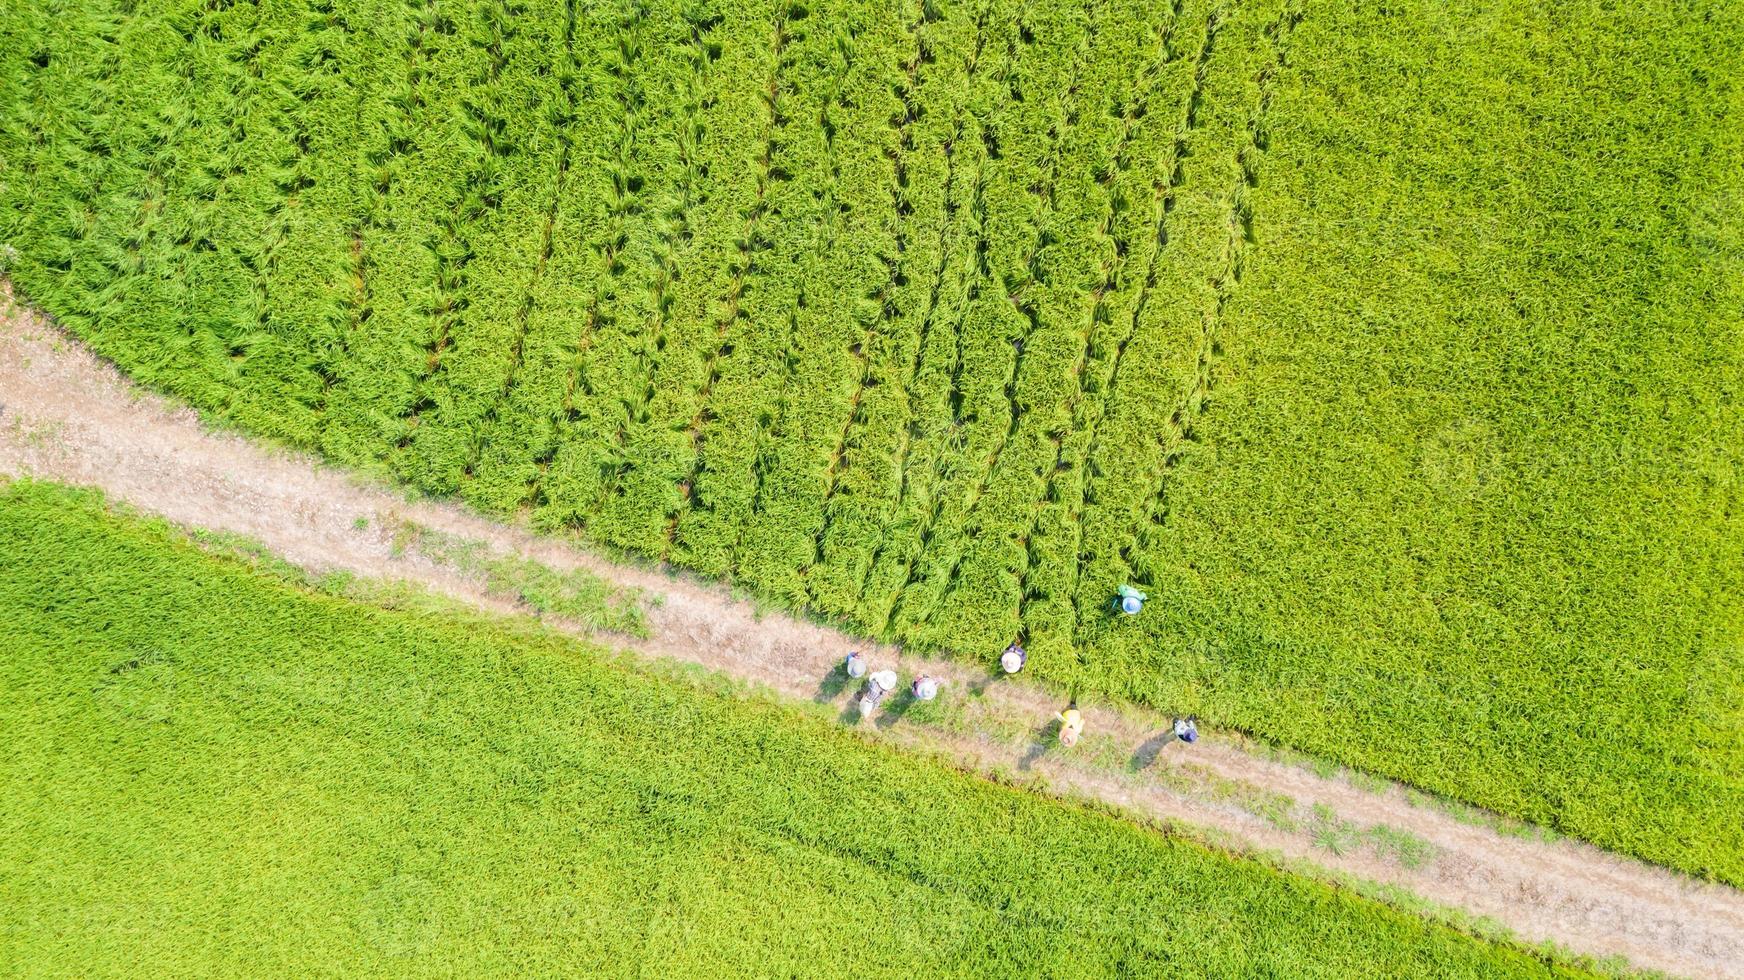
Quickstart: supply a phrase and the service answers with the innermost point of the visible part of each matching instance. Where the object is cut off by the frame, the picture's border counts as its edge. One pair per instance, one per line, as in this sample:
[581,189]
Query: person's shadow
[979,687]
[832,686]
[1041,740]
[834,683]
[901,705]
[1148,751]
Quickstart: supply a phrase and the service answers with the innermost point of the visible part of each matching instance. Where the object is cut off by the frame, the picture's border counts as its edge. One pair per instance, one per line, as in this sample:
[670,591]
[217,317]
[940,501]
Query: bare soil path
[68,416]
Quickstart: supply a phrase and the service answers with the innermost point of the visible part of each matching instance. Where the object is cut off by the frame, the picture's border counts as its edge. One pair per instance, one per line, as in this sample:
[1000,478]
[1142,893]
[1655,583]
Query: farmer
[925,688]
[1012,659]
[855,665]
[1130,600]
[1071,726]
[877,686]
[1186,730]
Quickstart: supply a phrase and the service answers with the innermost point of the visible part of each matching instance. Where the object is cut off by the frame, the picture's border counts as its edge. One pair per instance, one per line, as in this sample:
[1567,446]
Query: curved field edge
[217,771]
[1243,340]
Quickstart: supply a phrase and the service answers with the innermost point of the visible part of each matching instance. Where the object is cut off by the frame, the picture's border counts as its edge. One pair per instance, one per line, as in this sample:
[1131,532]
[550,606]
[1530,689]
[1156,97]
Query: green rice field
[1393,348]
[190,781]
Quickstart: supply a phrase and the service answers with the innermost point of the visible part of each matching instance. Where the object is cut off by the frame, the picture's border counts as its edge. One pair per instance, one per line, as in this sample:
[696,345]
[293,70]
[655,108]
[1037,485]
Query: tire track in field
[750,248]
[398,145]
[454,253]
[926,14]
[1180,427]
[978,207]
[929,318]
[1112,267]
[978,272]
[950,207]
[245,93]
[1025,305]
[97,61]
[1045,189]
[337,46]
[614,238]
[314,48]
[1162,202]
[68,416]
[166,163]
[768,434]
[529,293]
[678,234]
[264,265]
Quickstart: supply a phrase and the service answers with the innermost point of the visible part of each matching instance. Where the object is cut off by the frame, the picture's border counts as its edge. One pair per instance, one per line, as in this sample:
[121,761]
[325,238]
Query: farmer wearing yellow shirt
[1071,725]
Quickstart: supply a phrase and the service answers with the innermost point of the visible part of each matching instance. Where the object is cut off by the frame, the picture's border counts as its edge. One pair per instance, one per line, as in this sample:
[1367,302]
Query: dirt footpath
[65,415]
